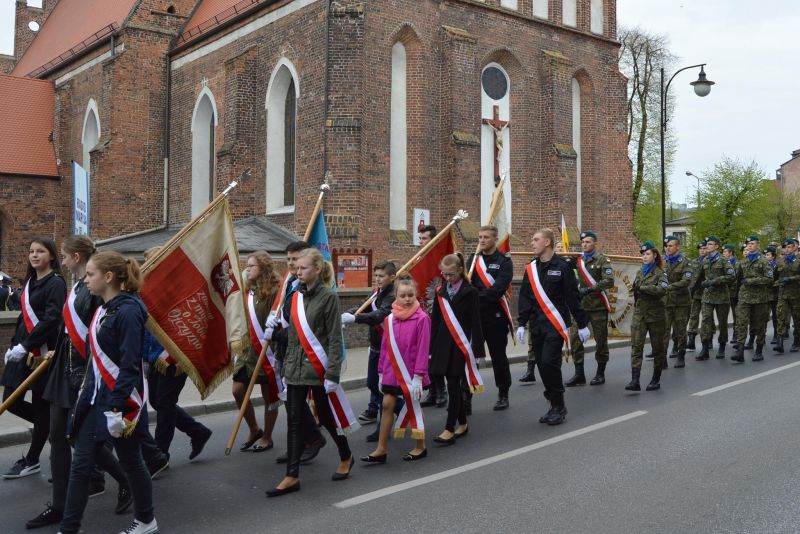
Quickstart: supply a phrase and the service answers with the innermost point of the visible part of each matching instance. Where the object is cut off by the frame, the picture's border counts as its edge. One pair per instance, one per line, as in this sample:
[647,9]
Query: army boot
[530,375]
[750,340]
[721,351]
[739,356]
[579,379]
[759,355]
[633,385]
[655,382]
[704,353]
[600,376]
[778,348]
[681,361]
[559,412]
[690,342]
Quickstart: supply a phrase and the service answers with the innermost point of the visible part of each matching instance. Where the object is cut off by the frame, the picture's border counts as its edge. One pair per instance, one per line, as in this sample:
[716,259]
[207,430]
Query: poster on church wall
[422,217]
[80,200]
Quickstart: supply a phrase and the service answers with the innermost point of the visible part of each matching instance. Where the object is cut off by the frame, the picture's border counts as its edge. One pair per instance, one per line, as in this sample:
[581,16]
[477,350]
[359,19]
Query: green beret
[647,245]
[772,251]
[752,238]
[671,238]
[730,247]
[713,239]
[588,233]
[789,241]
[701,244]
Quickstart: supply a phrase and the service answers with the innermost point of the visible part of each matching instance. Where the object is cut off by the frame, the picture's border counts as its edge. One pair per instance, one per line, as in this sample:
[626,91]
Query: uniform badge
[687,274]
[730,271]
[769,273]
[609,271]
[664,284]
[553,273]
[493,266]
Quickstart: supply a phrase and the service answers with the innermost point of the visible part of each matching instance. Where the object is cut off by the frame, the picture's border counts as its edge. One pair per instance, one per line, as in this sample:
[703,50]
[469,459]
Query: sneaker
[124,500]
[156,468]
[368,416]
[137,527]
[22,469]
[50,516]
[96,487]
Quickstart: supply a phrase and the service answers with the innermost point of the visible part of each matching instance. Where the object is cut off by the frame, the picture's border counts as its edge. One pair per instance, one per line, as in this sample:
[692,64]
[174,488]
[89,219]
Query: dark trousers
[61,458]
[375,395]
[495,332]
[164,392]
[295,401]
[87,451]
[36,412]
[456,408]
[547,344]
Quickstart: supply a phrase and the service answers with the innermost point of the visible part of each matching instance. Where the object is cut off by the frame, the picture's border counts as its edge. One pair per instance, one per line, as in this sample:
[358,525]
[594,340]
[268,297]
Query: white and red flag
[192,290]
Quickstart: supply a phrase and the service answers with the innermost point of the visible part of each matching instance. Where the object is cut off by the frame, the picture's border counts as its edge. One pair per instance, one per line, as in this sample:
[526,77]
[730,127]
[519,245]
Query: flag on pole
[319,237]
[426,272]
[564,234]
[500,218]
[193,295]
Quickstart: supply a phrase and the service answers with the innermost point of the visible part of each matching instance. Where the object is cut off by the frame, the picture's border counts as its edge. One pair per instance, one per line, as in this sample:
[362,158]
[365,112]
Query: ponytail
[125,270]
[81,245]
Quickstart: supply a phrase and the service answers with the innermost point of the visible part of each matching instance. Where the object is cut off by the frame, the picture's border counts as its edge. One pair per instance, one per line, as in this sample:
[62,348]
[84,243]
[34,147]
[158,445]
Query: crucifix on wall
[498,128]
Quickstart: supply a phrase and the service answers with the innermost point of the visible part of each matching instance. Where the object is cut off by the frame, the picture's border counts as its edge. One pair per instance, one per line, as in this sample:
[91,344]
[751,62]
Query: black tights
[456,409]
[36,412]
[295,399]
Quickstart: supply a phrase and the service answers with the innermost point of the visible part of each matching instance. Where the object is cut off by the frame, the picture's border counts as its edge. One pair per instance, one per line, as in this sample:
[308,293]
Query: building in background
[788,174]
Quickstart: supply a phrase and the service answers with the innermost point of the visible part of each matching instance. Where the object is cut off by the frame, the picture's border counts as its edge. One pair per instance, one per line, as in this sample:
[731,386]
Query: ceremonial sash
[464,345]
[106,373]
[337,399]
[411,414]
[277,301]
[258,338]
[591,282]
[74,325]
[488,281]
[30,319]
[548,308]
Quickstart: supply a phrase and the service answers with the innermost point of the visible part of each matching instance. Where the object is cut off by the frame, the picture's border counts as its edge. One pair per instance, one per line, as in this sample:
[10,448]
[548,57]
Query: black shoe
[721,352]
[408,457]
[778,348]
[578,380]
[157,468]
[441,399]
[445,442]
[543,419]
[558,416]
[96,487]
[501,404]
[250,442]
[275,492]
[369,459]
[46,518]
[199,442]
[690,342]
[457,435]
[600,376]
[336,477]
[373,438]
[124,500]
[633,385]
[655,382]
[703,353]
[749,344]
[430,400]
[311,451]
[680,362]
[530,375]
[739,357]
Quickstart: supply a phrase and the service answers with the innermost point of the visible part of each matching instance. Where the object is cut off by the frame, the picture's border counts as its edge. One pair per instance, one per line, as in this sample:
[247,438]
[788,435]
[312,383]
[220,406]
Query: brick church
[406,105]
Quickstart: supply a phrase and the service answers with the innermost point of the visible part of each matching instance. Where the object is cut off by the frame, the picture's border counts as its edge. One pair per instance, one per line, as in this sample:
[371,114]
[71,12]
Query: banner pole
[23,388]
[492,209]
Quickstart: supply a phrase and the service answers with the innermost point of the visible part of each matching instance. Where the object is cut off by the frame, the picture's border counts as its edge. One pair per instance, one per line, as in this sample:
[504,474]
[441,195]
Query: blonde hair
[454,260]
[125,270]
[405,281]
[548,234]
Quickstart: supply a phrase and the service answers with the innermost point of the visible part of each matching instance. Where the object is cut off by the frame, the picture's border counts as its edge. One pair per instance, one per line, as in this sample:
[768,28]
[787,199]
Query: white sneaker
[137,527]
[21,469]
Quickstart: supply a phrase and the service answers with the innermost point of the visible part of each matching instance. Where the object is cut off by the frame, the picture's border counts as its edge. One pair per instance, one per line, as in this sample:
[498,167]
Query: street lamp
[702,87]
[690,173]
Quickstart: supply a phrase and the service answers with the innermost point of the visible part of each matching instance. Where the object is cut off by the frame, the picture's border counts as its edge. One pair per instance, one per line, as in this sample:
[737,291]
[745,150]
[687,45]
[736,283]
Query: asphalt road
[669,461]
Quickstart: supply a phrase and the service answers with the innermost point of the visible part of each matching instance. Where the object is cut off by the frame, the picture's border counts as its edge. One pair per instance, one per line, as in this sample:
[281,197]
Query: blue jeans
[375,395]
[87,449]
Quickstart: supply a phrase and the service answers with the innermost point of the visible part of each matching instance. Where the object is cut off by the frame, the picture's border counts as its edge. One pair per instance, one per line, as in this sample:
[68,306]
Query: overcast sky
[751,49]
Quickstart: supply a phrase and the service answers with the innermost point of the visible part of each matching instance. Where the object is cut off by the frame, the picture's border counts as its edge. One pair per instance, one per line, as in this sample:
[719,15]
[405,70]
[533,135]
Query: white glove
[416,387]
[268,333]
[16,353]
[584,334]
[272,321]
[380,381]
[521,334]
[282,394]
[348,318]
[8,353]
[115,423]
[330,386]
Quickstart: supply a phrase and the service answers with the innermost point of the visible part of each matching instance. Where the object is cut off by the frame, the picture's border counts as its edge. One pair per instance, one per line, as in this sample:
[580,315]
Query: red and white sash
[488,281]
[106,373]
[259,338]
[166,358]
[279,295]
[411,414]
[546,305]
[337,399]
[74,325]
[30,319]
[464,345]
[591,282]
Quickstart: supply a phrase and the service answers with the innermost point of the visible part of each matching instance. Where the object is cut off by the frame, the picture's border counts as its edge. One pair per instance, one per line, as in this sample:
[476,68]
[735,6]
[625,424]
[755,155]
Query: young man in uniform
[491,275]
[697,297]
[678,300]
[729,253]
[718,274]
[756,278]
[595,277]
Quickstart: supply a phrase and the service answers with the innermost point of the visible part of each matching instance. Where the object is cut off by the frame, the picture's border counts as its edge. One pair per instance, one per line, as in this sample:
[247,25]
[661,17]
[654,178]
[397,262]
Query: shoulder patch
[730,270]
[770,273]
[664,284]
[609,271]
[687,274]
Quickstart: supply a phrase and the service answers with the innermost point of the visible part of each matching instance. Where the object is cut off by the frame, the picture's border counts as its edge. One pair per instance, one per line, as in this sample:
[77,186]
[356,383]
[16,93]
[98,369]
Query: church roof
[213,13]
[71,27]
[27,109]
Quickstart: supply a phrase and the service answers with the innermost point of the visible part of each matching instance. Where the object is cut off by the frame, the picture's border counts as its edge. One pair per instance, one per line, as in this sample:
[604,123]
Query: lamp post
[690,173]
[702,87]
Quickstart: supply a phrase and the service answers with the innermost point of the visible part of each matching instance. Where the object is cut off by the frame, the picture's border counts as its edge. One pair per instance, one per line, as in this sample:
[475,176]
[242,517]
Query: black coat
[561,285]
[446,358]
[501,268]
[46,297]
[374,318]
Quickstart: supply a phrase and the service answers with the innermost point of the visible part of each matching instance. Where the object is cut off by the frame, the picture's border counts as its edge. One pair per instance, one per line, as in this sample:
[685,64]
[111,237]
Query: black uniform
[494,323]
[558,280]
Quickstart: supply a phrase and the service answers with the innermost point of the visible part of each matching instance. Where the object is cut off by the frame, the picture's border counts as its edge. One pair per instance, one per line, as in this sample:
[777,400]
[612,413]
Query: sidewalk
[15,431]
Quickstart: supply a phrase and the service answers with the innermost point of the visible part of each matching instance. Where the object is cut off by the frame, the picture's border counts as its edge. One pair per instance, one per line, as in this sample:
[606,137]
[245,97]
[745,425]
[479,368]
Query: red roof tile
[72,25]
[27,108]
[211,13]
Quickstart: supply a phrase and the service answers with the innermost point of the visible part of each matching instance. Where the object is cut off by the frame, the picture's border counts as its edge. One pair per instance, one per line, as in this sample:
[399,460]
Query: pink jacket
[413,339]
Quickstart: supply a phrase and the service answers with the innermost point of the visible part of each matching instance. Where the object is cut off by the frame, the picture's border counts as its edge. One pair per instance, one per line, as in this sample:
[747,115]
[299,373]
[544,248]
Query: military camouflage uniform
[649,316]
[678,302]
[599,266]
[789,295]
[697,298]
[733,288]
[717,274]
[756,278]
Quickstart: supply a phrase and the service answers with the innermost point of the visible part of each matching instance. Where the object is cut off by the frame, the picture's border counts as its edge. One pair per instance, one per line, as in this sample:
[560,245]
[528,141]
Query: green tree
[784,214]
[736,201]
[647,219]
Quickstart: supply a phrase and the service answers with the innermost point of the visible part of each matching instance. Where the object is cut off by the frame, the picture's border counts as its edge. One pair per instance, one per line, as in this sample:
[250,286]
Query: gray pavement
[667,461]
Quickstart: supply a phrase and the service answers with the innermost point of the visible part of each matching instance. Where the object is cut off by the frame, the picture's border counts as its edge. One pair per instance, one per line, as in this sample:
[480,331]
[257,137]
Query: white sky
[751,48]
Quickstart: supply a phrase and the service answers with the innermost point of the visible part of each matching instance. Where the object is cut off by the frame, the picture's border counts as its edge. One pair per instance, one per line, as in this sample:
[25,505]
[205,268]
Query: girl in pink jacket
[403,369]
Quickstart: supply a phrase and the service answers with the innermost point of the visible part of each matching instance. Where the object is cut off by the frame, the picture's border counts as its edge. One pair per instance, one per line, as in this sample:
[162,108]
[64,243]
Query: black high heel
[380,459]
[341,476]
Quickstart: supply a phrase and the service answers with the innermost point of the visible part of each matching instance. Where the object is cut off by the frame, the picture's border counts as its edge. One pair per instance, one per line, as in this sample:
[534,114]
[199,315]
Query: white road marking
[390,490]
[744,380]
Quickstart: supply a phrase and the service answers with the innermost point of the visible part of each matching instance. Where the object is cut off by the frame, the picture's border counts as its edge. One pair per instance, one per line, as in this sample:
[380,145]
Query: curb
[24,436]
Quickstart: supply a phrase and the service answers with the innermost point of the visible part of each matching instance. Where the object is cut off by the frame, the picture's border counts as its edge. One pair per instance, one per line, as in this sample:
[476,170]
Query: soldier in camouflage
[678,300]
[717,276]
[771,253]
[697,297]
[756,281]
[649,289]
[788,294]
[595,277]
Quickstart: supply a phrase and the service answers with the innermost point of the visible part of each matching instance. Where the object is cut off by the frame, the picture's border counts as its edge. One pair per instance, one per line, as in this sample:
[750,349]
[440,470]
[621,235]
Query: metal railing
[216,20]
[97,36]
